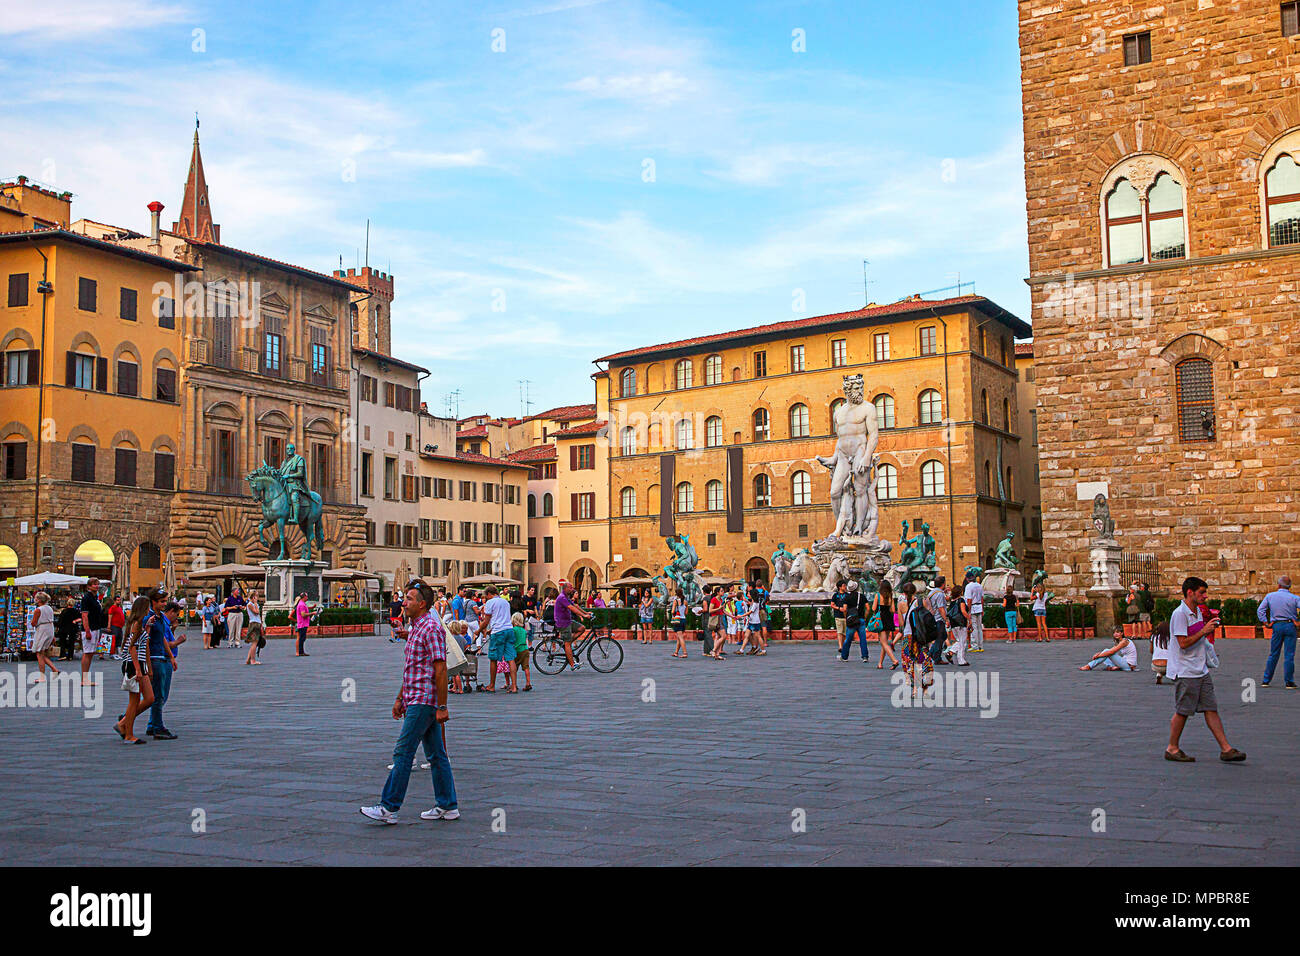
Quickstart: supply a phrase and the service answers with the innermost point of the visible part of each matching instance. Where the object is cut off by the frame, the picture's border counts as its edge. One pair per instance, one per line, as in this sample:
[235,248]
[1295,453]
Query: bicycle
[604,654]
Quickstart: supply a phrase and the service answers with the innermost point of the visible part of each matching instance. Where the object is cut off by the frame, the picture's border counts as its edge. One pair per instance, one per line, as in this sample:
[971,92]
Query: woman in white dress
[43,639]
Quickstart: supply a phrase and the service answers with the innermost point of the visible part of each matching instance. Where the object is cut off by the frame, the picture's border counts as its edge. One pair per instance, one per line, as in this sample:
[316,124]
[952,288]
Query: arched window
[886,482]
[762,491]
[714,496]
[1010,496]
[932,479]
[685,434]
[627,382]
[627,502]
[682,373]
[988,478]
[1123,224]
[801,488]
[712,431]
[548,505]
[1195,379]
[799,420]
[1006,414]
[835,407]
[1282,200]
[931,407]
[532,506]
[627,440]
[762,425]
[884,410]
[1144,214]
[149,555]
[685,498]
[713,370]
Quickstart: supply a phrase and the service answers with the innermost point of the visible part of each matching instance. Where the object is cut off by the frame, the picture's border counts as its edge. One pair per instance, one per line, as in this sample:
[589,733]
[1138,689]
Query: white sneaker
[438,813]
[379,813]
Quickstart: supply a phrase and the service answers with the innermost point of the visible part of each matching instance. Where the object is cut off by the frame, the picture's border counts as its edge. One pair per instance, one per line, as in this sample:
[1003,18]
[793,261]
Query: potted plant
[801,623]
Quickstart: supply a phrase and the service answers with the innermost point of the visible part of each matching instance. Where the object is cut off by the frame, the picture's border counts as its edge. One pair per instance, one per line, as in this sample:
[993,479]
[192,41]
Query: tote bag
[457,662]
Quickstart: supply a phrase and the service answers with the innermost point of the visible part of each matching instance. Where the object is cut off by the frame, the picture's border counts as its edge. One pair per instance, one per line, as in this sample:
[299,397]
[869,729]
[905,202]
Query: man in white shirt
[974,598]
[495,622]
[1190,657]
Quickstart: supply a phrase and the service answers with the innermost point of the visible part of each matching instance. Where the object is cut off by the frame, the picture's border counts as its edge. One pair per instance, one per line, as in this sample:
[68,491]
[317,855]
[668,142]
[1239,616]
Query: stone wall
[1218,93]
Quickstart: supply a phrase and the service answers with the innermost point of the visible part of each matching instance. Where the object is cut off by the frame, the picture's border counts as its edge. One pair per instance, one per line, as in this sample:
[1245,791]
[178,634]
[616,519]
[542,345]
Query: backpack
[955,617]
[925,629]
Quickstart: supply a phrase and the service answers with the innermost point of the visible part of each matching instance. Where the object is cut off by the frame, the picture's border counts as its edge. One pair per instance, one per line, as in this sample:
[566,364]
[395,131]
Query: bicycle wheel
[548,656]
[605,655]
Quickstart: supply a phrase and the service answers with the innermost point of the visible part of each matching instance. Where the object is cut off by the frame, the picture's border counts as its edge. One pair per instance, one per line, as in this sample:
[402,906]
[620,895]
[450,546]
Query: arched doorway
[93,558]
[756,571]
[146,567]
[8,562]
[584,582]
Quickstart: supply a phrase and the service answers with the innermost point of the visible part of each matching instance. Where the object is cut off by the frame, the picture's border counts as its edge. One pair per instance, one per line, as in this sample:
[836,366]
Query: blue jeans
[1113,658]
[858,630]
[1283,636]
[160,677]
[419,726]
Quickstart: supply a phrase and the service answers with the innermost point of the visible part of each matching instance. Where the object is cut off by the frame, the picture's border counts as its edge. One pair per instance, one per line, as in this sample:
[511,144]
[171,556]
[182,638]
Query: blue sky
[521,178]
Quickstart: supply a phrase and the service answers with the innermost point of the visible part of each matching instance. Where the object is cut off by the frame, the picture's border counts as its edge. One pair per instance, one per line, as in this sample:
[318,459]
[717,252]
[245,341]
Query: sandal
[528,688]
[134,740]
[120,732]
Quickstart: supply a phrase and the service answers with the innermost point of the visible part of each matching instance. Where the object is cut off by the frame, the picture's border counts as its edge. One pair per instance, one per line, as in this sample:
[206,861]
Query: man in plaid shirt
[421,705]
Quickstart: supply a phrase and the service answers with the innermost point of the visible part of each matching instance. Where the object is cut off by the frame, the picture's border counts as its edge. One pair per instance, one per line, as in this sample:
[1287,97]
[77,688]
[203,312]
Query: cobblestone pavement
[662,762]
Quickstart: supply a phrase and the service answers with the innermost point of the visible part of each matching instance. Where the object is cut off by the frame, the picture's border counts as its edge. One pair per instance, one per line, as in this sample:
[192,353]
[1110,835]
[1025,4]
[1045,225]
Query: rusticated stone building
[1161,148]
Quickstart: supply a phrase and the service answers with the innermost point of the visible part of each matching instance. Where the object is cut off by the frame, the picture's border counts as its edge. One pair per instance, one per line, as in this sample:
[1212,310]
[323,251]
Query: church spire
[196,215]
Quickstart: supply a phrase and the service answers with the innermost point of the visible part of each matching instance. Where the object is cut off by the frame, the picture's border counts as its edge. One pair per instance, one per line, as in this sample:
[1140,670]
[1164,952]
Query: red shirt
[426,642]
[115,616]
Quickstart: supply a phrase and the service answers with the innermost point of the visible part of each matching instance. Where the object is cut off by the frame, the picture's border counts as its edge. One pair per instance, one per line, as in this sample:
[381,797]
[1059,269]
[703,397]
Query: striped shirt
[426,642]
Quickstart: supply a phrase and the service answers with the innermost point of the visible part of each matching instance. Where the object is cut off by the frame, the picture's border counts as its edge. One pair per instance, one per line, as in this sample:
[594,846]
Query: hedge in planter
[776,619]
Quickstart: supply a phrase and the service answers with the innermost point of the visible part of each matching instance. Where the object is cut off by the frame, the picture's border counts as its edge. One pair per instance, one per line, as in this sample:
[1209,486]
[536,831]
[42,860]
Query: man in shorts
[1189,660]
[495,621]
[92,621]
[568,621]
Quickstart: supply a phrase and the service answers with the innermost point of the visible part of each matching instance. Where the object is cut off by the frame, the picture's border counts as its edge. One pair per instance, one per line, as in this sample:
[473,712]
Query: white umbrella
[49,579]
[169,573]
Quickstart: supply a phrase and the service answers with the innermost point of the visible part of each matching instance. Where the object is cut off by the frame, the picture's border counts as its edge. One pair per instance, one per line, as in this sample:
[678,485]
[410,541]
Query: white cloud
[662,87]
[71,18]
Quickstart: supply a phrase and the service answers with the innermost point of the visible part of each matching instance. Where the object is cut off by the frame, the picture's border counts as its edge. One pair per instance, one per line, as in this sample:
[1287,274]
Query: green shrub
[661,618]
[276,618]
[801,618]
[827,619]
[776,618]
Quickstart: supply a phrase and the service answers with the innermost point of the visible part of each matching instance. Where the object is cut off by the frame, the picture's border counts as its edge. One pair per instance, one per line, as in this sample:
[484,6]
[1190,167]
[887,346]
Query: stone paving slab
[662,763]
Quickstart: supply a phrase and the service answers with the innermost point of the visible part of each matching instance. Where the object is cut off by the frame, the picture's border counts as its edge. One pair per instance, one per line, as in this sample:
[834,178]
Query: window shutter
[20,460]
[573,507]
[164,470]
[101,374]
[70,376]
[573,458]
[33,366]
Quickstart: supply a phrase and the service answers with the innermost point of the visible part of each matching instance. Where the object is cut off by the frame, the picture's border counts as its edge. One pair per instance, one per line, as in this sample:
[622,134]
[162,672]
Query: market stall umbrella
[169,573]
[49,579]
[228,571]
[489,579]
[401,577]
[629,582]
[122,577]
[453,578]
[347,574]
[712,581]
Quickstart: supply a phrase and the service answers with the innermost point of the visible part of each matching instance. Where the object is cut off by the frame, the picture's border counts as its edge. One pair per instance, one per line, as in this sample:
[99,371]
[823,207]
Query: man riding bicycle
[566,609]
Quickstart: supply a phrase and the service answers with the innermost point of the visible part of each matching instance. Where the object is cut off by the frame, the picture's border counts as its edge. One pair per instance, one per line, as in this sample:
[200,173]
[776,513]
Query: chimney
[155,240]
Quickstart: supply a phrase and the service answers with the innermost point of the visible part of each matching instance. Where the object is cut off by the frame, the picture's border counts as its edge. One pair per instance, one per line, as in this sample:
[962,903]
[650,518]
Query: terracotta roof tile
[473,459]
[581,431]
[1025,348]
[535,453]
[566,413]
[796,325]
[479,431]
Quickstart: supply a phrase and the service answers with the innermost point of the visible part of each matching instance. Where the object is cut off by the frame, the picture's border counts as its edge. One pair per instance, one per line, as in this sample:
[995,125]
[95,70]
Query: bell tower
[196,214]
[372,306]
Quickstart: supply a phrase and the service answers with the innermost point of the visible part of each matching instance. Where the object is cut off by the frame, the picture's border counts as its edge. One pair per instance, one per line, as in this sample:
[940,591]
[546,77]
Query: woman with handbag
[135,670]
[256,640]
[881,623]
[43,634]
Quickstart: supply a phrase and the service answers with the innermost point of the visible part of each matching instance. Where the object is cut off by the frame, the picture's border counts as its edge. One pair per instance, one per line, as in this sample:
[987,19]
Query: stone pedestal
[995,581]
[285,580]
[1107,588]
